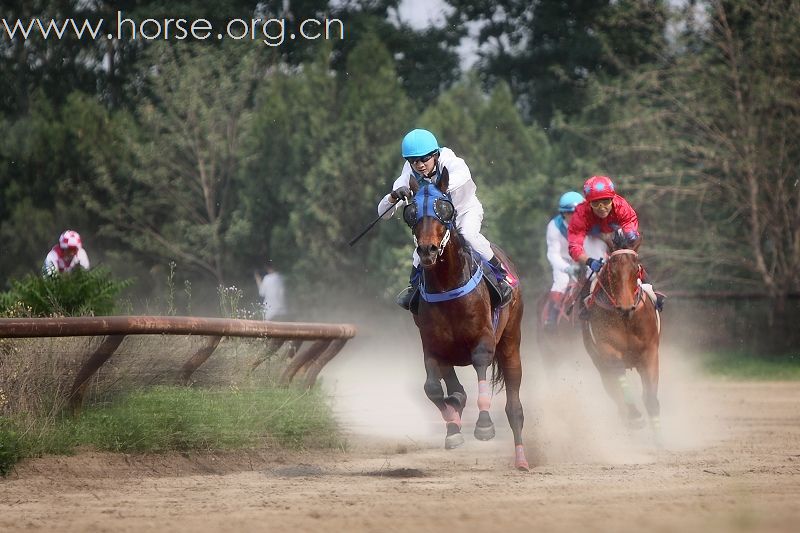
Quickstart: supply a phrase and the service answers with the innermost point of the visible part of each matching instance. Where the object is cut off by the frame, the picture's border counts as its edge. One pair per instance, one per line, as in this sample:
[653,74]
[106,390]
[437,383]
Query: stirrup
[506,292]
[405,297]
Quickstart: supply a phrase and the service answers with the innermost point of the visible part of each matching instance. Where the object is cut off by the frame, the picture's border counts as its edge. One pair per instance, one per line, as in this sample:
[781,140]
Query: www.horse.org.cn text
[269,31]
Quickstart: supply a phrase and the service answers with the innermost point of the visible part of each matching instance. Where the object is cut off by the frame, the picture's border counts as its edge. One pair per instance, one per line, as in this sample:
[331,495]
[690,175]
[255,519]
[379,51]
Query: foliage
[162,419]
[547,50]
[79,293]
[748,366]
[219,155]
[10,446]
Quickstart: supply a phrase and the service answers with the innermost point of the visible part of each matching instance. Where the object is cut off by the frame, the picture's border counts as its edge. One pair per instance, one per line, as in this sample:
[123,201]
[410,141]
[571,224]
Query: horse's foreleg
[612,372]
[481,359]
[649,374]
[450,414]
[456,395]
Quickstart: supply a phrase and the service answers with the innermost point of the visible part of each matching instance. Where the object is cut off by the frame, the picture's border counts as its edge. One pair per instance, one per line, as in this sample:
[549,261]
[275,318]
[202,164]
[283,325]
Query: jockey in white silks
[66,256]
[564,267]
[425,160]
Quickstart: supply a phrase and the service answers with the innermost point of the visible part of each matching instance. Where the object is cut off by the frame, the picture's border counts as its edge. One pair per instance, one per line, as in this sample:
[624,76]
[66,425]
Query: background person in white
[66,256]
[273,293]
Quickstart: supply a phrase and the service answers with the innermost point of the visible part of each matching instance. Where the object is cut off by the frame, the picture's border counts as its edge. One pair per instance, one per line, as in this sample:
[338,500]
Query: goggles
[422,159]
[603,202]
[442,209]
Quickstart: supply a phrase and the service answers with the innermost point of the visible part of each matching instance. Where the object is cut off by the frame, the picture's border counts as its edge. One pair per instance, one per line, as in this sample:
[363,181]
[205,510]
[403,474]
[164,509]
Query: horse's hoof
[484,433]
[522,466]
[453,441]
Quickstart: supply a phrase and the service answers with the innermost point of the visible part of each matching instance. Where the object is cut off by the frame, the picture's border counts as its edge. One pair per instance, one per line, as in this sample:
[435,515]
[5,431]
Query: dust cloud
[376,385]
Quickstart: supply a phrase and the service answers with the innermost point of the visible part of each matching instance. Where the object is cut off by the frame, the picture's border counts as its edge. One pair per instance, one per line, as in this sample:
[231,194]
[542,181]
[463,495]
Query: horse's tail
[498,379]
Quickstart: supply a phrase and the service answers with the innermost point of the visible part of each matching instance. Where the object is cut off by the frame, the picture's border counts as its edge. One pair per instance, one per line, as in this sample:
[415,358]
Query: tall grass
[164,418]
[745,365]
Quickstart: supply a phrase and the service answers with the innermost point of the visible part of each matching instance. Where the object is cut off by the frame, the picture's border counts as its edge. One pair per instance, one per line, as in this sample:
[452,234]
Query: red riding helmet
[598,187]
[70,239]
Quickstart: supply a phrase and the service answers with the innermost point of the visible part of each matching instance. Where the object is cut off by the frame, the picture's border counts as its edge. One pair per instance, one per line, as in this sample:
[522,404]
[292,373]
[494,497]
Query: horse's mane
[620,242]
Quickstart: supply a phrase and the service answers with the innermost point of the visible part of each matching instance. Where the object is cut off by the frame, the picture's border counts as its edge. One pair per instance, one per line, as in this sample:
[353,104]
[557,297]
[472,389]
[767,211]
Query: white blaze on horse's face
[623,275]
[431,238]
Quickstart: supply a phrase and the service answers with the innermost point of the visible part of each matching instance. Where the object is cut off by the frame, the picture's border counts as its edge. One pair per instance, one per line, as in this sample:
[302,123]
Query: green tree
[509,161]
[172,198]
[738,102]
[548,50]
[348,177]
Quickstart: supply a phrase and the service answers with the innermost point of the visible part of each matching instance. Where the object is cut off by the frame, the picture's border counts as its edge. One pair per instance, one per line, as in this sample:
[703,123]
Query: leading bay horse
[622,332]
[457,322]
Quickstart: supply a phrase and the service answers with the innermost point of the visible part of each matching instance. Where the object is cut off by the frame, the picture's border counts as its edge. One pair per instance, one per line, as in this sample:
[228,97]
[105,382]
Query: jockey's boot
[552,308]
[660,297]
[660,301]
[407,294]
[506,292]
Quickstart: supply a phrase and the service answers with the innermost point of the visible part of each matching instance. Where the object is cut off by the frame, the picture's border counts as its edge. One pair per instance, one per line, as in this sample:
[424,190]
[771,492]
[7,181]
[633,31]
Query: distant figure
[66,256]
[273,293]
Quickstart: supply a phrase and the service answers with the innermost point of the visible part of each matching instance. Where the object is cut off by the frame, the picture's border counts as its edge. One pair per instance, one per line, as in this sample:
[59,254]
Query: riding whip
[369,227]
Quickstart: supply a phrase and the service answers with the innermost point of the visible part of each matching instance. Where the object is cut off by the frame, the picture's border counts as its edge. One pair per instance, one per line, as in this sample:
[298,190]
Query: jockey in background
[602,215]
[425,160]
[66,256]
[563,266]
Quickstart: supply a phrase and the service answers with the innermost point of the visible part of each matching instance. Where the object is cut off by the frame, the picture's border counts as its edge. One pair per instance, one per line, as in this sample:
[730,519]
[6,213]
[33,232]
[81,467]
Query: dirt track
[731,463]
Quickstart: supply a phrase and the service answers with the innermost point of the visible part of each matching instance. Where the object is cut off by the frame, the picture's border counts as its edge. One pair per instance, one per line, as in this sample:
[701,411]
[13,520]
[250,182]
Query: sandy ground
[730,462]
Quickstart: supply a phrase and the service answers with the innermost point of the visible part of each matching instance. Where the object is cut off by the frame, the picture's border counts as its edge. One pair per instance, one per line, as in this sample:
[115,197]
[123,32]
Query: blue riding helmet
[418,142]
[569,200]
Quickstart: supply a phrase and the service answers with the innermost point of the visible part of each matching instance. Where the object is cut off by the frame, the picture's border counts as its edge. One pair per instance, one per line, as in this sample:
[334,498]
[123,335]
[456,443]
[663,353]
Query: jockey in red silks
[603,213]
[66,256]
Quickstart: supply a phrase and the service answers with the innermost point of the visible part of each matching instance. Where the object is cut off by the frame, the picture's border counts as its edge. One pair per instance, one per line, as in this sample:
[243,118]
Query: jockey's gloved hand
[402,193]
[632,236]
[594,264]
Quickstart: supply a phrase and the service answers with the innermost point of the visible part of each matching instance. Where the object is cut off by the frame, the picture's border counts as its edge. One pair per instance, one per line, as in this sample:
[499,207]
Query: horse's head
[620,280]
[625,241]
[432,218]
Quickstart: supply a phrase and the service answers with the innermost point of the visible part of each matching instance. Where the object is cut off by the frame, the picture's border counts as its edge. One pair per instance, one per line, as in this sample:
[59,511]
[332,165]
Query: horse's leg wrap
[484,395]
[626,389]
[484,427]
[451,415]
[520,462]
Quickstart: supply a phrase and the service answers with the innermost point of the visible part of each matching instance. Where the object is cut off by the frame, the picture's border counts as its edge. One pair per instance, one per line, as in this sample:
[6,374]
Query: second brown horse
[622,332]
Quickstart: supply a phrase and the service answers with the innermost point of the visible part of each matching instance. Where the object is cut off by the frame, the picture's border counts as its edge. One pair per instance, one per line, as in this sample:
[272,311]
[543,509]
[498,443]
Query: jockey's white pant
[468,224]
[594,247]
[560,281]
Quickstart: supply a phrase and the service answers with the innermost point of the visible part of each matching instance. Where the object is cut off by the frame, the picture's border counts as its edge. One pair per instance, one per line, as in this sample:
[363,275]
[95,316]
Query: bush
[80,293]
[9,447]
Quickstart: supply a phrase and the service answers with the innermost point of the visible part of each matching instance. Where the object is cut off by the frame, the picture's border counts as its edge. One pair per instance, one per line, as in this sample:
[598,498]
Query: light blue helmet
[568,201]
[418,142]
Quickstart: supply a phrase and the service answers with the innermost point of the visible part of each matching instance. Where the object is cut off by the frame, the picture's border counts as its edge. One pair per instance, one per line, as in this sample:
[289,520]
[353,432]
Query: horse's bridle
[638,292]
[441,208]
